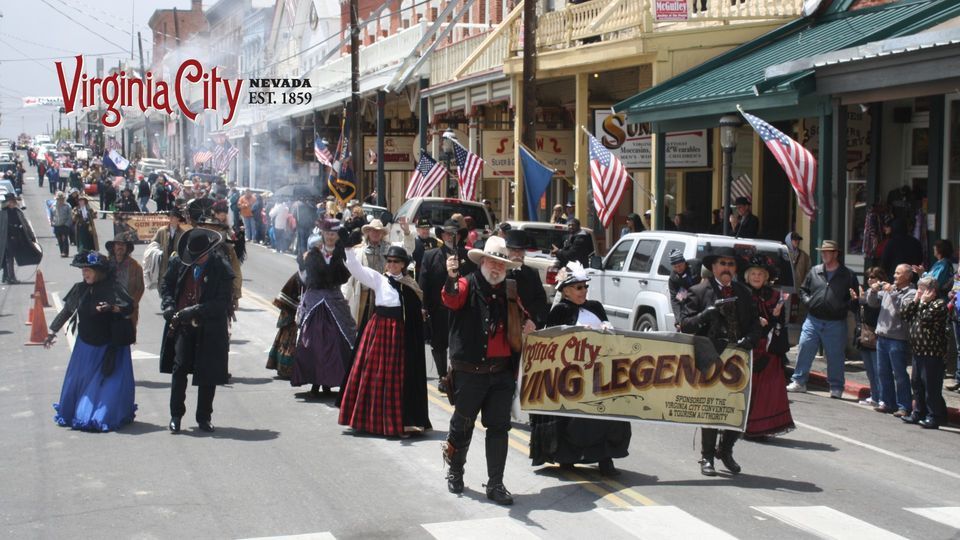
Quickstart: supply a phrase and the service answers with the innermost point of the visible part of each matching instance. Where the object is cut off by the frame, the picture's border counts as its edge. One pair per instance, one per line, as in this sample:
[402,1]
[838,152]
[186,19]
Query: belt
[492,366]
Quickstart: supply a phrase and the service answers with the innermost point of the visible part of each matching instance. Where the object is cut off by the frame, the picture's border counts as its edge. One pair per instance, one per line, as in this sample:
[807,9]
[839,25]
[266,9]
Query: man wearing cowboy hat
[828,293]
[480,355]
[18,244]
[723,310]
[682,279]
[167,237]
[60,218]
[423,243]
[431,278]
[529,286]
[196,296]
[129,273]
[748,225]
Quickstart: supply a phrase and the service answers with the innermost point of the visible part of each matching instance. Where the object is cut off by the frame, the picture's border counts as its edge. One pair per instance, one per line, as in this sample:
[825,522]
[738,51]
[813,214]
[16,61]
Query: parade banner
[142,226]
[631,143]
[554,149]
[652,376]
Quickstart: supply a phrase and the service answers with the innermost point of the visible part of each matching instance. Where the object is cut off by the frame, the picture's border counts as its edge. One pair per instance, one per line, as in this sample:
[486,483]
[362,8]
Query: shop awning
[698,97]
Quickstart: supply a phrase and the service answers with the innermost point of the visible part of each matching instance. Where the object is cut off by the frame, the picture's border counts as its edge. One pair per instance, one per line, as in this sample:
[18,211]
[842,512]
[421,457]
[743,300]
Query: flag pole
[653,200]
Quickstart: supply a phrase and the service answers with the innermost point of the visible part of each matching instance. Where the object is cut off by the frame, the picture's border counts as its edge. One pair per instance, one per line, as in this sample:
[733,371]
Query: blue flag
[536,178]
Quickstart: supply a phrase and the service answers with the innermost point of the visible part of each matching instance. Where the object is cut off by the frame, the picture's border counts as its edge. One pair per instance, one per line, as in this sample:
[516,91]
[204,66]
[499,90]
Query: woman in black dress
[569,440]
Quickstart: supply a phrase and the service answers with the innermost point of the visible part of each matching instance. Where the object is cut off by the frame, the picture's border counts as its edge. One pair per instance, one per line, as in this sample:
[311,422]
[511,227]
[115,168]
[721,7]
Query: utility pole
[180,120]
[529,87]
[353,111]
[146,119]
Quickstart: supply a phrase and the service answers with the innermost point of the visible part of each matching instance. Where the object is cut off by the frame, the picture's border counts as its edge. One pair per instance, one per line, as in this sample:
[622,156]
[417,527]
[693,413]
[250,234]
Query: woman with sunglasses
[565,440]
[386,391]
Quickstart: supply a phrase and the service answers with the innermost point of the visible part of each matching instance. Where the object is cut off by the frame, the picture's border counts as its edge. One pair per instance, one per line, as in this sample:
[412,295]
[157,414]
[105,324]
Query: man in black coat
[724,311]
[431,278]
[196,296]
[529,286]
[18,243]
[423,243]
[578,246]
[748,225]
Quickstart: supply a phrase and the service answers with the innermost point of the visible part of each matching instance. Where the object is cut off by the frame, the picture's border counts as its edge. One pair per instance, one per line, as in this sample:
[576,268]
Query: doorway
[697,194]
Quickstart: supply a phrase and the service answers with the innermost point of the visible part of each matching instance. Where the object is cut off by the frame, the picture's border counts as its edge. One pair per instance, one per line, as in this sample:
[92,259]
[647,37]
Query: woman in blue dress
[98,390]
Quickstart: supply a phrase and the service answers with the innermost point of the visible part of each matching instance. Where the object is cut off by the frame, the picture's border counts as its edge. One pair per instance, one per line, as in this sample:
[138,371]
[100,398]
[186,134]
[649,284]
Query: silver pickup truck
[632,280]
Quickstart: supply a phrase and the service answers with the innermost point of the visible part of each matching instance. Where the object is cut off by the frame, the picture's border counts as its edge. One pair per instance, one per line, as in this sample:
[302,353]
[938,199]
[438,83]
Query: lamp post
[728,142]
[447,155]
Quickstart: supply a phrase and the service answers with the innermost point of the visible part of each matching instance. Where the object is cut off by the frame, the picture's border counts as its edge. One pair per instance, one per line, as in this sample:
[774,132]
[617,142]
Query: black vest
[469,326]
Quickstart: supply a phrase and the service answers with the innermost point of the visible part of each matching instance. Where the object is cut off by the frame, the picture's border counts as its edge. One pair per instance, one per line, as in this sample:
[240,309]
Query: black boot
[607,468]
[706,466]
[496,449]
[498,493]
[174,424]
[455,460]
[725,452]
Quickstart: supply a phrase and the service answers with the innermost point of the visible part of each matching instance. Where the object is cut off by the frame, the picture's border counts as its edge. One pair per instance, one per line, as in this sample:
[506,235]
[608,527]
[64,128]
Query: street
[279,464]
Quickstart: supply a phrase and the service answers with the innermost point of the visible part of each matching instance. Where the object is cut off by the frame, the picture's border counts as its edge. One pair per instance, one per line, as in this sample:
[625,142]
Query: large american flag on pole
[202,156]
[321,149]
[797,162]
[469,167]
[429,173]
[609,179]
[222,158]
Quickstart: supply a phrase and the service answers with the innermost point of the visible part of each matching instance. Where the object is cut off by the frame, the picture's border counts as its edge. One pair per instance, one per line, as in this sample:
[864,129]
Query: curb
[860,391]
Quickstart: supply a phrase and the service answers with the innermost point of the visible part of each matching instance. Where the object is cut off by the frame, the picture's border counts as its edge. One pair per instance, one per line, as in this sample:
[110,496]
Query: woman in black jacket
[568,440]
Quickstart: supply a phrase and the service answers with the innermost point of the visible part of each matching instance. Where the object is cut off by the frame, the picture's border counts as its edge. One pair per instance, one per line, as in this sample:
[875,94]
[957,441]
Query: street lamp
[447,155]
[728,142]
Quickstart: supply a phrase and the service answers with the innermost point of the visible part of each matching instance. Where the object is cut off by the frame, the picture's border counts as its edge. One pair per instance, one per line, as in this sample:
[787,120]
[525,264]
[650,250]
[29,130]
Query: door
[697,194]
[661,283]
[606,286]
[640,277]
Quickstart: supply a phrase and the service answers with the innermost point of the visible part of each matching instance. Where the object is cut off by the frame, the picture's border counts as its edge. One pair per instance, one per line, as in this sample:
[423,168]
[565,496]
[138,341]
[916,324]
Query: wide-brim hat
[449,226]
[494,248]
[573,272]
[764,263]
[829,245]
[200,209]
[125,238]
[397,252]
[375,225]
[517,239]
[423,223]
[742,200]
[330,225]
[91,259]
[720,253]
[196,243]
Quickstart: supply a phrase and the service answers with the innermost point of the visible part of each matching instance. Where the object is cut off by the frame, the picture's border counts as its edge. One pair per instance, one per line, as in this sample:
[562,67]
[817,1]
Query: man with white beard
[482,378]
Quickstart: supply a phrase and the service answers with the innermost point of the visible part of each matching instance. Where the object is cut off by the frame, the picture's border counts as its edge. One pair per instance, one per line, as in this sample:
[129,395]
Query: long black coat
[532,296]
[704,294]
[25,249]
[213,339]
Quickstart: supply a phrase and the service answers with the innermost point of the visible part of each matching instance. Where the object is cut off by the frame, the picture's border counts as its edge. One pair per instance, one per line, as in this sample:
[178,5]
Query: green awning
[701,95]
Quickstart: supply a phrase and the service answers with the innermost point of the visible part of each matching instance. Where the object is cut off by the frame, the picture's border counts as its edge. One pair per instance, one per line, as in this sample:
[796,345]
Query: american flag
[797,162]
[429,173]
[222,162]
[469,167]
[609,179]
[218,153]
[322,150]
[202,156]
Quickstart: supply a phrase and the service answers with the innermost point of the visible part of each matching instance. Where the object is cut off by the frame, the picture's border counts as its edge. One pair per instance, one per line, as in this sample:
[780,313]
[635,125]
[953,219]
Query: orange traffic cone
[40,289]
[39,331]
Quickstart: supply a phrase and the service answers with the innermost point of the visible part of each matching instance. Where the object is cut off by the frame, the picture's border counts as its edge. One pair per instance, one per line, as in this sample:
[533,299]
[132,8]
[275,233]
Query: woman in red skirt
[386,392]
[769,407]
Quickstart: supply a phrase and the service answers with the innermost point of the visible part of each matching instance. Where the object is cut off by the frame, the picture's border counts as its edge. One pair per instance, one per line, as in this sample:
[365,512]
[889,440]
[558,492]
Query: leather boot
[706,466]
[725,452]
[498,493]
[496,449]
[455,460]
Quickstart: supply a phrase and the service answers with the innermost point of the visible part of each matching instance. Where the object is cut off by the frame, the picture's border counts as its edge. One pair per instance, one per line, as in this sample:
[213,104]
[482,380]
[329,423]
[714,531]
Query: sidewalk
[857,387]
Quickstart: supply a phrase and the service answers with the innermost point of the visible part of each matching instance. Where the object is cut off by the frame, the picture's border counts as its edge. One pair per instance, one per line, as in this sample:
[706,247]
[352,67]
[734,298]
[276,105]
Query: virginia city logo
[121,90]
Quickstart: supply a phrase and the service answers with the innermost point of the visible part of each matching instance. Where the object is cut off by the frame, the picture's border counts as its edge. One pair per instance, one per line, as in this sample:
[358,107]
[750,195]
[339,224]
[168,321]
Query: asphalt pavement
[280,465]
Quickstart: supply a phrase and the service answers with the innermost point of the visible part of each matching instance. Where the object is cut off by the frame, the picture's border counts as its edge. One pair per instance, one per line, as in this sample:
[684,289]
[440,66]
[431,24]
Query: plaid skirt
[373,398]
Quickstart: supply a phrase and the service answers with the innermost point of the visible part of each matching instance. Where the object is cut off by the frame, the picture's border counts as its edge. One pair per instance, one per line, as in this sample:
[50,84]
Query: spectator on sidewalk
[279,214]
[828,293]
[893,349]
[866,340]
[927,315]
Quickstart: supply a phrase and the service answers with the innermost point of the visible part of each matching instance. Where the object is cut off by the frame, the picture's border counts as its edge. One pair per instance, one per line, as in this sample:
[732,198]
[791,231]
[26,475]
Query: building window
[951,196]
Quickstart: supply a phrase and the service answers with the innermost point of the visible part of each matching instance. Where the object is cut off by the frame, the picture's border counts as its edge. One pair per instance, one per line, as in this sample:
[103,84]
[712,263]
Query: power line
[44,66]
[112,53]
[101,36]
[78,10]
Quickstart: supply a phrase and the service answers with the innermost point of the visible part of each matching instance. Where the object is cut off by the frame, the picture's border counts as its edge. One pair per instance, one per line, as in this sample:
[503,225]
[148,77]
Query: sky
[36,33]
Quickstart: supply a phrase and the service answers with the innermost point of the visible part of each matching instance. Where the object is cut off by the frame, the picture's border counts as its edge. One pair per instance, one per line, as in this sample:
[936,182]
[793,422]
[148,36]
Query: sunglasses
[398,261]
[580,287]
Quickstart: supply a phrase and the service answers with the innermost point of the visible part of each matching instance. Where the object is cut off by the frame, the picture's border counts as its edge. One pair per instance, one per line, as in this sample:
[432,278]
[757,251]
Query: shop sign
[398,154]
[631,143]
[554,149]
[670,10]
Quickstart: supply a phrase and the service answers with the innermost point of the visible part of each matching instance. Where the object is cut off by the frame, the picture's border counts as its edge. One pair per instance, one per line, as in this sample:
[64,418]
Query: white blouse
[588,319]
[386,295]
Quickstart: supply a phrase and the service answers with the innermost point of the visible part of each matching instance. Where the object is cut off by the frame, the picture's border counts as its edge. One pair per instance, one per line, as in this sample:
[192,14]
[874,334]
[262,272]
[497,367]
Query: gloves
[745,343]
[168,314]
[187,314]
[109,362]
[708,315]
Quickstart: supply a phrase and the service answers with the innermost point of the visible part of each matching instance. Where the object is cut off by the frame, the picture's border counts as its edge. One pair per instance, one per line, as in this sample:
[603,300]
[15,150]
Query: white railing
[388,51]
[610,20]
[445,61]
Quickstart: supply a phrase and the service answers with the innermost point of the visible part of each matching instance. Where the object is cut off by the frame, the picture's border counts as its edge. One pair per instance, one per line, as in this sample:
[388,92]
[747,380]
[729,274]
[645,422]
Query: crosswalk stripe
[948,515]
[662,522]
[825,522]
[308,536]
[478,529]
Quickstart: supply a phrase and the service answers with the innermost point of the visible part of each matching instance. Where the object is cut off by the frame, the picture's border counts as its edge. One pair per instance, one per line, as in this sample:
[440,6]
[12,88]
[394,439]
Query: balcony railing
[384,53]
[610,20]
[445,61]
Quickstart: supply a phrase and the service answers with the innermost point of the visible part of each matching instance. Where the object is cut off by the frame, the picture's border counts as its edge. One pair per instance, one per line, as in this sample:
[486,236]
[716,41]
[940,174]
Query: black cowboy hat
[449,226]
[715,253]
[196,243]
[764,263]
[123,237]
[517,239]
[200,210]
[91,259]
[177,213]
[423,223]
[397,252]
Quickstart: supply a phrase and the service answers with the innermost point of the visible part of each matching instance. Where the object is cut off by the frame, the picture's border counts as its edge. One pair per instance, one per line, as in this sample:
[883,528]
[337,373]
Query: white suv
[632,280]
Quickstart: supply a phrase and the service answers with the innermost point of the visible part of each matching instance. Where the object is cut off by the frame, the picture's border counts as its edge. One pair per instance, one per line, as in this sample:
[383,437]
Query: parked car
[543,236]
[632,280]
[439,209]
[149,165]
